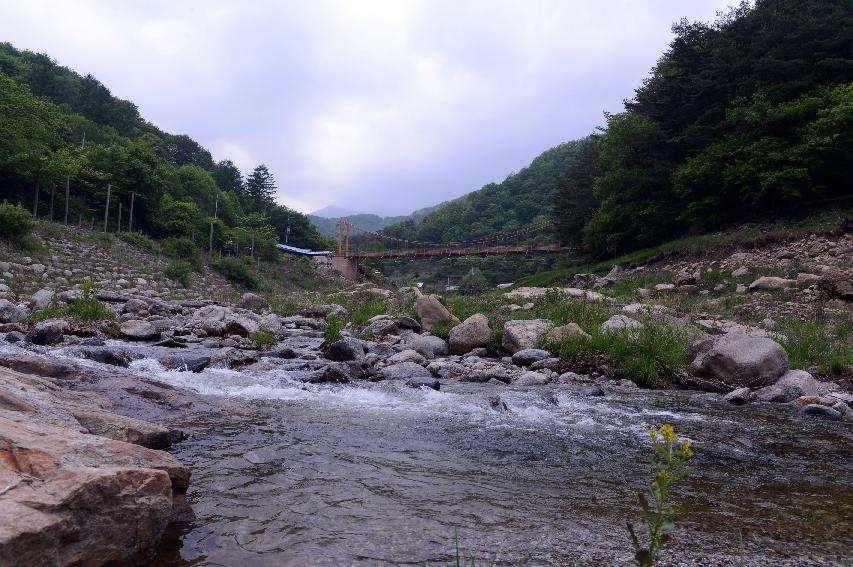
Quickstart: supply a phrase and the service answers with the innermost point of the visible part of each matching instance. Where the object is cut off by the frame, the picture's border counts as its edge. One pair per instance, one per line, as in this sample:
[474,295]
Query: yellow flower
[653,433]
[685,449]
[667,432]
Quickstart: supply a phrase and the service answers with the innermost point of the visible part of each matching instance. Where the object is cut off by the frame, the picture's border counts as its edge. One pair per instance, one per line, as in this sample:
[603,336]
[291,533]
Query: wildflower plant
[670,460]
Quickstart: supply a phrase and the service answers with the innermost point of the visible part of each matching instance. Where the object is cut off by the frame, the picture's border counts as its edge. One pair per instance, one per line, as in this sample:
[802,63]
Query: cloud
[382,106]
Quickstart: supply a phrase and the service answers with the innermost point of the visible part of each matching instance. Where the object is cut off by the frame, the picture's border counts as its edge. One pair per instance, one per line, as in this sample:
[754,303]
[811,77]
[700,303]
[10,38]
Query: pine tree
[260,188]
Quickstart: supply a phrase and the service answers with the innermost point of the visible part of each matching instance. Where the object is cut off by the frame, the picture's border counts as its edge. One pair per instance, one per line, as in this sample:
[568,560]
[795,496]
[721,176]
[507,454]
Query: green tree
[260,188]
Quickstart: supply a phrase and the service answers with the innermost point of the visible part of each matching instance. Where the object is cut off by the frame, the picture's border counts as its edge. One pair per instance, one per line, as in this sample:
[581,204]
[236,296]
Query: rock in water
[473,332]
[739,396]
[817,410]
[108,355]
[345,349]
[528,356]
[740,360]
[432,313]
[520,334]
[253,302]
[185,361]
[792,385]
[122,428]
[136,330]
[47,332]
[404,370]
[424,382]
[242,326]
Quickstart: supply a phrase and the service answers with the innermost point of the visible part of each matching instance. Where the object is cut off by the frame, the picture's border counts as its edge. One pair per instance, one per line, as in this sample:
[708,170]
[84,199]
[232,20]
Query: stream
[383,474]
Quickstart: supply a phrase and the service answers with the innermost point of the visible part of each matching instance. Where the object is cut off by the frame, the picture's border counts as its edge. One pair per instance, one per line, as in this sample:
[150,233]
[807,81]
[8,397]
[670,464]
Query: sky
[380,106]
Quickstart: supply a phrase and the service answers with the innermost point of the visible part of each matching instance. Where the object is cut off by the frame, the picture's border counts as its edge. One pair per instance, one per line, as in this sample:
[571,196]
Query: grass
[180,271]
[333,329]
[817,343]
[264,338]
[140,241]
[87,309]
[362,306]
[236,271]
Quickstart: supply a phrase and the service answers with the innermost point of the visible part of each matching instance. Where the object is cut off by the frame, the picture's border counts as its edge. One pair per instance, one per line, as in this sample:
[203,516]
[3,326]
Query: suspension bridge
[373,245]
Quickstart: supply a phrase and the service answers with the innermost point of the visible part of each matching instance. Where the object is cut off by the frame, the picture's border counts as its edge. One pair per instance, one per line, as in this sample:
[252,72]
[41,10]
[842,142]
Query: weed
[333,329]
[140,241]
[56,310]
[179,270]
[236,271]
[105,240]
[89,308]
[671,463]
[443,331]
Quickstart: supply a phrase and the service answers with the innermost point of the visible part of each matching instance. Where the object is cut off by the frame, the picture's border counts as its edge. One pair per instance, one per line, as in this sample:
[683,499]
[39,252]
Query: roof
[303,251]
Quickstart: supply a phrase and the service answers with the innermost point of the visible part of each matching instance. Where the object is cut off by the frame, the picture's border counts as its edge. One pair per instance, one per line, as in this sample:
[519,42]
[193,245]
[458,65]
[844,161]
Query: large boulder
[522,334]
[137,330]
[408,355]
[735,361]
[530,379]
[792,385]
[569,331]
[772,283]
[185,361]
[473,332]
[123,428]
[432,313]
[73,498]
[621,324]
[253,302]
[345,350]
[380,326]
[113,356]
[242,326]
[11,313]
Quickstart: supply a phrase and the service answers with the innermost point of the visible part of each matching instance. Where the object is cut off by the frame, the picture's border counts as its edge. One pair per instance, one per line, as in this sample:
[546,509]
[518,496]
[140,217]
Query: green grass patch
[816,343]
[140,241]
[237,272]
[179,271]
[333,329]
[264,338]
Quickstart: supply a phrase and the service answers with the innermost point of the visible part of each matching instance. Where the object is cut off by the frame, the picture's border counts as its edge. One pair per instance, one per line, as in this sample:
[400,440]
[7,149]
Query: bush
[179,270]
[333,329]
[139,241]
[182,249]
[15,223]
[89,308]
[236,271]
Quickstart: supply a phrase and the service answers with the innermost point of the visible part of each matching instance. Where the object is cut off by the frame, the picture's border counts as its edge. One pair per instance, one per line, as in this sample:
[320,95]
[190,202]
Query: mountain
[58,127]
[326,219]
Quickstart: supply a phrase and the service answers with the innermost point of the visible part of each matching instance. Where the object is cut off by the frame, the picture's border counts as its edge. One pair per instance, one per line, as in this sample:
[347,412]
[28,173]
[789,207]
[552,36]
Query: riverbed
[383,474]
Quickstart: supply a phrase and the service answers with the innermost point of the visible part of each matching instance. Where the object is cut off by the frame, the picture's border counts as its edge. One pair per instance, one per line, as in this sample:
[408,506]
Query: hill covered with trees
[57,126]
[328,226]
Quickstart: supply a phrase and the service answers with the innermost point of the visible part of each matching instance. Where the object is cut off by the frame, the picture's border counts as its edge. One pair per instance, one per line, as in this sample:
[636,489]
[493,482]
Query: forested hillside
[328,226]
[56,125]
[750,117]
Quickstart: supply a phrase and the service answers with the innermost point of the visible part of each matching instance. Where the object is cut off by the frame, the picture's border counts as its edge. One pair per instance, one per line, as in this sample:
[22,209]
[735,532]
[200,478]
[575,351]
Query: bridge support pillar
[346,266]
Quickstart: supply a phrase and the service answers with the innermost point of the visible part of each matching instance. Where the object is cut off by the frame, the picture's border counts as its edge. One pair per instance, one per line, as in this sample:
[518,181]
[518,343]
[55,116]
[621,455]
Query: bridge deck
[451,251]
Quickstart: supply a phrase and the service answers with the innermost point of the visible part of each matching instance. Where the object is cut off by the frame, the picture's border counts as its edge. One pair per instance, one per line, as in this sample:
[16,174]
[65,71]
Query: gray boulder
[424,382]
[405,322]
[253,302]
[185,361]
[739,396]
[621,323]
[432,313]
[11,313]
[242,326]
[135,306]
[108,355]
[404,371]
[136,330]
[380,326]
[740,360]
[47,332]
[428,346]
[819,410]
[792,385]
[41,299]
[345,349]
[772,283]
[521,334]
[473,332]
[528,356]
[530,379]
[407,355]
[382,350]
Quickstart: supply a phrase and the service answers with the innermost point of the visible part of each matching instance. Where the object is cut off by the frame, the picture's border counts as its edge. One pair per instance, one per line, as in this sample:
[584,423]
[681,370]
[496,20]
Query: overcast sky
[383,106]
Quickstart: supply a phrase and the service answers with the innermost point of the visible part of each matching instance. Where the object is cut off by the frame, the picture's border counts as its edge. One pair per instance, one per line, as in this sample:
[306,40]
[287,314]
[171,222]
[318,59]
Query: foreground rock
[473,332]
[432,313]
[734,361]
[137,330]
[519,335]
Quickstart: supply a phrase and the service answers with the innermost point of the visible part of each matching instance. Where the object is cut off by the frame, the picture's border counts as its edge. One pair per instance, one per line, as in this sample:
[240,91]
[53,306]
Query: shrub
[264,337]
[365,311]
[179,270]
[139,241]
[442,331]
[55,310]
[182,249]
[236,271]
[15,223]
[89,308]
[333,329]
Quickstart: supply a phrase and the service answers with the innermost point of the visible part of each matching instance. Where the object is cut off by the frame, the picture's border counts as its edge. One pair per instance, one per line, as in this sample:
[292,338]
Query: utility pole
[36,198]
[347,242]
[83,143]
[107,208]
[52,195]
[252,254]
[67,182]
[286,235]
[119,218]
[130,214]
[215,215]
[340,235]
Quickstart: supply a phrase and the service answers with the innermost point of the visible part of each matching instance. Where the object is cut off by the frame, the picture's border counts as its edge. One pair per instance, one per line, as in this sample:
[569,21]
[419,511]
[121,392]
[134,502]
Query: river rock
[521,334]
[135,306]
[253,302]
[550,363]
[424,382]
[96,501]
[740,360]
[69,295]
[382,350]
[432,313]
[11,313]
[405,322]
[569,378]
[185,361]
[528,356]
[242,326]
[137,330]
[122,428]
[48,332]
[41,299]
[429,346]
[473,332]
[818,410]
[739,396]
[404,371]
[407,355]
[113,356]
[792,385]
[345,349]
[772,283]
[328,310]
[381,326]
[530,379]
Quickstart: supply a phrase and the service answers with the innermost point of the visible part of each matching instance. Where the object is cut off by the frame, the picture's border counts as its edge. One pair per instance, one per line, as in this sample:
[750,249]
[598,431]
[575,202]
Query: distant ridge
[326,219]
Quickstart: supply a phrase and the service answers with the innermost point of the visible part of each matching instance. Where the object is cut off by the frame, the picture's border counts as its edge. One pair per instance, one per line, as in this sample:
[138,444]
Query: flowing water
[377,473]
